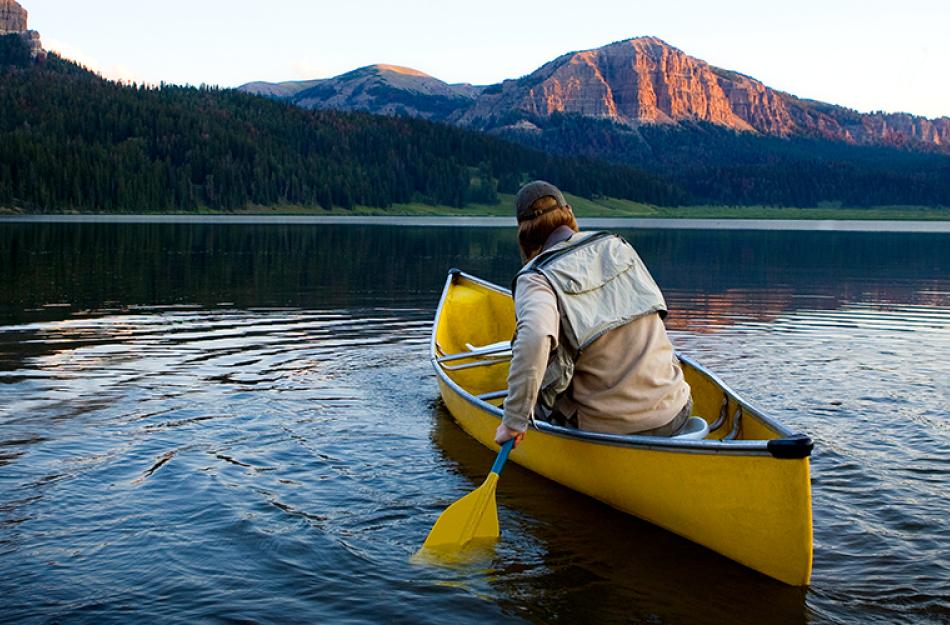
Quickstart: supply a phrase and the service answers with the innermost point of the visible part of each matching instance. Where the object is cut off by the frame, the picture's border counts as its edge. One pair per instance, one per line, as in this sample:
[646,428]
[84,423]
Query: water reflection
[255,403]
[567,558]
[53,270]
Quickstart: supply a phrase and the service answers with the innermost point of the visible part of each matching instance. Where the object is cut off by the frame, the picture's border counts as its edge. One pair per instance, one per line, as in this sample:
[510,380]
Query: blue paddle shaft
[502,456]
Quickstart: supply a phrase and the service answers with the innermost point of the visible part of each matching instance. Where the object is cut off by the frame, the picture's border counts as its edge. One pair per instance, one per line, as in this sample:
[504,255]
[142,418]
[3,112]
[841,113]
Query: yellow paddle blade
[474,516]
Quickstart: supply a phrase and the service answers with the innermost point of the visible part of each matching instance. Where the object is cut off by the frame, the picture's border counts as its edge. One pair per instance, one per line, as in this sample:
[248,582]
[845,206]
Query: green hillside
[71,141]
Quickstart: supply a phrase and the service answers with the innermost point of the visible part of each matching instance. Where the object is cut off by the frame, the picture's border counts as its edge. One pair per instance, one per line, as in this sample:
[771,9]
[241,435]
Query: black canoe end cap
[455,271]
[794,447]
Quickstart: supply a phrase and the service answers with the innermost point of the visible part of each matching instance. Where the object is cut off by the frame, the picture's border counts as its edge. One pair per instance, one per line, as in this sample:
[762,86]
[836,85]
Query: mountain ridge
[634,82]
[71,140]
[161,147]
[380,88]
[14,20]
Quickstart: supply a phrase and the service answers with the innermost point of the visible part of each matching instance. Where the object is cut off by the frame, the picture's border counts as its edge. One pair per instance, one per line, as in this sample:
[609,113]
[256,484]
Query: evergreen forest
[70,140]
[719,166]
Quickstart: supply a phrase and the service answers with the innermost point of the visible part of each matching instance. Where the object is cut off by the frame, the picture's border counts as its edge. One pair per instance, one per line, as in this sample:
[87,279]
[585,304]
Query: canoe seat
[695,429]
[500,346]
[486,355]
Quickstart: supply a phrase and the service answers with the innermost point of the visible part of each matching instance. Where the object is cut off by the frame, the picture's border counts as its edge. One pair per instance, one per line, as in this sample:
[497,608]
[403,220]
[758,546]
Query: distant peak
[646,40]
[13,18]
[398,69]
[645,44]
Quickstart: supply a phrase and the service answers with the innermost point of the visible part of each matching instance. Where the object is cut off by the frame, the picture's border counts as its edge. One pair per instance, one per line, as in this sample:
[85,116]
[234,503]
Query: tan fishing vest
[601,284]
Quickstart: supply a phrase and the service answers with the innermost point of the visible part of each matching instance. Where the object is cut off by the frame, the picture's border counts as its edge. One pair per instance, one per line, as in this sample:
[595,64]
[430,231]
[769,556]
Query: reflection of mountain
[717,275]
[893,308]
[704,312]
[564,557]
[93,266]
[719,278]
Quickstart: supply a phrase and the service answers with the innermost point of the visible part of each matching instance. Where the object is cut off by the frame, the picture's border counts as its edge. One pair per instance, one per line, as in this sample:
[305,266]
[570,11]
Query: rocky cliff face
[13,18]
[33,40]
[634,82]
[13,21]
[647,81]
[841,124]
[640,81]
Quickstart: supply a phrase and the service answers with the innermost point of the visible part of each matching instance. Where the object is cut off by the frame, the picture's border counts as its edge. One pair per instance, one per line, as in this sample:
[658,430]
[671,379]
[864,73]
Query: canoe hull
[746,505]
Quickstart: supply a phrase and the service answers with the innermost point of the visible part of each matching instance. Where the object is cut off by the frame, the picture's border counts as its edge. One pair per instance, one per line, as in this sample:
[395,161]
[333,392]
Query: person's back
[628,381]
[590,342]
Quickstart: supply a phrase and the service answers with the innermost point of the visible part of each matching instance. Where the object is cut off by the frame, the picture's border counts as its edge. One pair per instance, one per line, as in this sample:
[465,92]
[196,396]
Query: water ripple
[228,464]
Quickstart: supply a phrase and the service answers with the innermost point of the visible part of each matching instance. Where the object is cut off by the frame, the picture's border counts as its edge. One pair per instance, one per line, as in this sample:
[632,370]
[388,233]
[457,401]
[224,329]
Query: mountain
[645,81]
[279,90]
[70,140]
[14,21]
[723,136]
[634,83]
[380,89]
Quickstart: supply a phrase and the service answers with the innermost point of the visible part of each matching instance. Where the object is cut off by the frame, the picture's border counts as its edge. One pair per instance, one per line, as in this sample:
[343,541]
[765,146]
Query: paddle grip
[502,456]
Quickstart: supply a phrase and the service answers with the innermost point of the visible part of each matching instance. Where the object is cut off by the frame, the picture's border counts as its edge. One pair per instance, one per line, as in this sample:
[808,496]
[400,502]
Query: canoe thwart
[495,395]
[504,346]
[492,351]
[488,362]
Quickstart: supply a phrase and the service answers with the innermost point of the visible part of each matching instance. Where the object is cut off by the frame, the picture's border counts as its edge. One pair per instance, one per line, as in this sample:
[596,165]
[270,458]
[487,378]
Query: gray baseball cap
[532,192]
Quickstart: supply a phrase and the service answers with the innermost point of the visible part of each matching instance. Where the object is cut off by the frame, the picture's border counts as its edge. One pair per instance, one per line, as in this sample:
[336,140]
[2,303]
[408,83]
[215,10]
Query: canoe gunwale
[729,447]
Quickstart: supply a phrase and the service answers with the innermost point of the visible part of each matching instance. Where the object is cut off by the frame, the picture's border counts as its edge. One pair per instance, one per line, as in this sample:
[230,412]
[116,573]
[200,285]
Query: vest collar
[560,234]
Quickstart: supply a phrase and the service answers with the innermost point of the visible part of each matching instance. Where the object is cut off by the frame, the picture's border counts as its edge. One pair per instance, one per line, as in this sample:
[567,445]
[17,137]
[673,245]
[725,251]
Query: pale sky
[869,55]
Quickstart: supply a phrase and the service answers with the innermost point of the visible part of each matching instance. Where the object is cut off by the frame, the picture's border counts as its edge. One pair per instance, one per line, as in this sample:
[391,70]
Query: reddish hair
[534,232]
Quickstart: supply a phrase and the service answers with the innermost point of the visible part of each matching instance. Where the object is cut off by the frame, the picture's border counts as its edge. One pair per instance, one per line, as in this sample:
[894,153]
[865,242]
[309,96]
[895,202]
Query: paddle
[473,516]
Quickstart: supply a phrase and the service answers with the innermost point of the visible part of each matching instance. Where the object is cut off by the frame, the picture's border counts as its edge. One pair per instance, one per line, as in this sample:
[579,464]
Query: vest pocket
[557,376]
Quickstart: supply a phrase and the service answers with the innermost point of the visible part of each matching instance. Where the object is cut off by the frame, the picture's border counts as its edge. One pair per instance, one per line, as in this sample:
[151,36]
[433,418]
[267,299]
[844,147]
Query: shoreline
[817,225]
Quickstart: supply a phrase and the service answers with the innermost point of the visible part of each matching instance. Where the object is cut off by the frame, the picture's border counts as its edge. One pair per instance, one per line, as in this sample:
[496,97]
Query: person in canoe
[590,349]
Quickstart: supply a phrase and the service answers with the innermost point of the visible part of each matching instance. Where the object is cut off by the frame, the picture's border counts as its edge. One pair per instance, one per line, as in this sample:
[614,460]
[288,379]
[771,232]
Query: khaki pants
[670,429]
[674,426]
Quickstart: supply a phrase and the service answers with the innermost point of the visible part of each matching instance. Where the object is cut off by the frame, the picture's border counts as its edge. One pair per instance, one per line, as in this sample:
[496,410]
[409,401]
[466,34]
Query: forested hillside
[724,137]
[70,140]
[717,165]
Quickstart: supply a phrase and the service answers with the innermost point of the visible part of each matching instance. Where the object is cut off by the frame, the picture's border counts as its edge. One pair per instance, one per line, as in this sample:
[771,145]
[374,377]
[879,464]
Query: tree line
[716,165]
[70,140]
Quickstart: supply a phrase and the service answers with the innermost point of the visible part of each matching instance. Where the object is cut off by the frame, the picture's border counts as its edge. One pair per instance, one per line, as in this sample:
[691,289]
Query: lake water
[239,423]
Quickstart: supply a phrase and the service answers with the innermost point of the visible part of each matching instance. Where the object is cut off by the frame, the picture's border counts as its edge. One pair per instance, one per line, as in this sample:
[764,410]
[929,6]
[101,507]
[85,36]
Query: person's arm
[537,332]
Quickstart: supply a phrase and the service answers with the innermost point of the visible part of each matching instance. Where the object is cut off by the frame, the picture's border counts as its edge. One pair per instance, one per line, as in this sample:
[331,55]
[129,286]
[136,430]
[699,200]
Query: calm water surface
[239,423]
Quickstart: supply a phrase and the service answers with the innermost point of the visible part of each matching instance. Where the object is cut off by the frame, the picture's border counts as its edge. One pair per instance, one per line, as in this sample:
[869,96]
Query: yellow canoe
[743,491]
